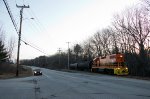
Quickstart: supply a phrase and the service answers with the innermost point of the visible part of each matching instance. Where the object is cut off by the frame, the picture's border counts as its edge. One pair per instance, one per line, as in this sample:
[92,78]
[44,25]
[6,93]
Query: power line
[34,47]
[15,25]
[39,26]
[11,16]
[36,25]
[38,22]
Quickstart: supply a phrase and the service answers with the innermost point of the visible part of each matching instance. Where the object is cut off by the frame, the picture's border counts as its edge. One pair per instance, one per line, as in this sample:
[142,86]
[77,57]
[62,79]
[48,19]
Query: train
[84,65]
[110,64]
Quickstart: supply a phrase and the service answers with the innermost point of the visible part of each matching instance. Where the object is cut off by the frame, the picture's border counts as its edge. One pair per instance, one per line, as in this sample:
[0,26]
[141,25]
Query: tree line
[129,34]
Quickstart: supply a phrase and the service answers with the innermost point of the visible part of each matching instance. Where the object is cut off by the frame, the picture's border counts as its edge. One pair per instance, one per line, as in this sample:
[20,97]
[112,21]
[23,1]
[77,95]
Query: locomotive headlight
[121,56]
[118,68]
[126,68]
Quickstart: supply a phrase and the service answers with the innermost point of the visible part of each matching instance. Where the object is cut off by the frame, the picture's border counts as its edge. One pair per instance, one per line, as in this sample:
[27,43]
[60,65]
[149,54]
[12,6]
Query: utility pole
[89,54]
[59,50]
[148,50]
[148,43]
[68,54]
[19,36]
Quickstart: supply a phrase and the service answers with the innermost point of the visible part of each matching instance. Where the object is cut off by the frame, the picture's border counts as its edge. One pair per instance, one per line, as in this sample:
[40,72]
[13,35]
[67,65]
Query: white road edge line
[46,75]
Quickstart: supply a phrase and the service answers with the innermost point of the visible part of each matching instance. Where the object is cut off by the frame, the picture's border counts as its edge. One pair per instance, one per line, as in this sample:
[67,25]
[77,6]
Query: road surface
[66,85]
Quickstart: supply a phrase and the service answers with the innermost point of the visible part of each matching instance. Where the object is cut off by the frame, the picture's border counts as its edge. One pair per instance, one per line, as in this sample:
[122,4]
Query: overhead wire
[38,23]
[31,24]
[11,16]
[33,16]
[35,26]
[41,26]
[34,47]
[16,28]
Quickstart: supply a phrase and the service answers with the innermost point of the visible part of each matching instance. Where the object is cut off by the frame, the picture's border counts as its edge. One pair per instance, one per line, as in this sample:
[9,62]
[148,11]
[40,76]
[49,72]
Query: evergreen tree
[3,52]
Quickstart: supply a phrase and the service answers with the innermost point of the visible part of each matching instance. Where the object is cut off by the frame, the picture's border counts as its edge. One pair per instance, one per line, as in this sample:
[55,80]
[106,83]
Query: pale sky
[59,21]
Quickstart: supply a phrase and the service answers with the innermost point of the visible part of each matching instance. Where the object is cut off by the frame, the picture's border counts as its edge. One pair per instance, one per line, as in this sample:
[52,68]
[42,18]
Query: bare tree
[95,41]
[2,34]
[102,42]
[10,45]
[10,48]
[3,52]
[77,50]
[135,24]
[88,50]
[106,41]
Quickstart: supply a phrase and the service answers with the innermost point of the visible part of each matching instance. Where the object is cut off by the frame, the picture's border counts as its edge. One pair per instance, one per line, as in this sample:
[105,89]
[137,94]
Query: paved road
[65,85]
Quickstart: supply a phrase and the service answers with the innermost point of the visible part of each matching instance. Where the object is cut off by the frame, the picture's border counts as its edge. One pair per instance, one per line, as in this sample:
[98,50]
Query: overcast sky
[58,21]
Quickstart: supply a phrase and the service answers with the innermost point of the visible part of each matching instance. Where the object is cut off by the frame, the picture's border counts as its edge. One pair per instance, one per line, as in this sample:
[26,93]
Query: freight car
[85,65]
[111,64]
[73,66]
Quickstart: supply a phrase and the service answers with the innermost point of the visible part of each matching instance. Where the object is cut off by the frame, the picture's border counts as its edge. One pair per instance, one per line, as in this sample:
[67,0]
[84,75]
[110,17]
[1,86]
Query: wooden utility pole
[19,36]
[68,55]
[59,50]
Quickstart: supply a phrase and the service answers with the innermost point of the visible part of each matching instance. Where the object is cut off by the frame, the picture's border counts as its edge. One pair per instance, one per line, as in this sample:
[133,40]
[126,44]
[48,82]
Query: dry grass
[9,71]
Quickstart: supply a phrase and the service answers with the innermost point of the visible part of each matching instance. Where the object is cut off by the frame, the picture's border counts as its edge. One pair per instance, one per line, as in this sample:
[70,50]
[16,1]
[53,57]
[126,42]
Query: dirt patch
[9,71]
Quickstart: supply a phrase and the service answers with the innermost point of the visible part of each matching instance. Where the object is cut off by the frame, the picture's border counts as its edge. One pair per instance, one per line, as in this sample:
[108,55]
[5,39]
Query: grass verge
[9,71]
